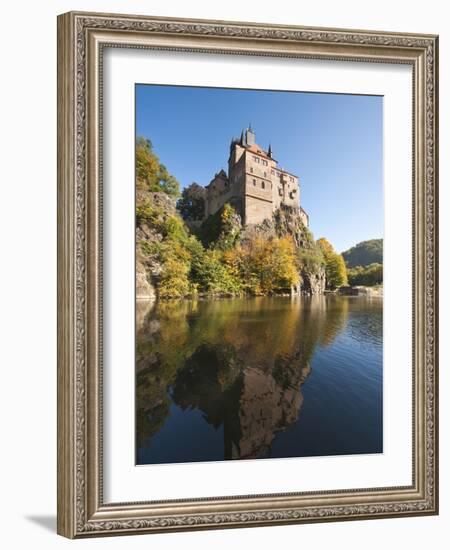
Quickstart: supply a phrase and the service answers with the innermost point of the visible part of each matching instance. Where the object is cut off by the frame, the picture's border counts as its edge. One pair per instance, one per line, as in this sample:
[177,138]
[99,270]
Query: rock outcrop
[287,221]
[148,268]
[313,281]
[144,288]
[157,216]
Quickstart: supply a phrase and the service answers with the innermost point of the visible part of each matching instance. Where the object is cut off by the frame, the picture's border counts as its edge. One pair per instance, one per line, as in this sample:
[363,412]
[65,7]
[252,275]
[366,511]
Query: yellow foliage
[174,279]
[265,266]
[336,273]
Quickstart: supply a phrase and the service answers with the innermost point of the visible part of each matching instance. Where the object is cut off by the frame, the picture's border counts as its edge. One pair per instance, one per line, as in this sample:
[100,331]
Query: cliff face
[312,271]
[286,221]
[148,267]
[144,288]
[172,263]
[313,281]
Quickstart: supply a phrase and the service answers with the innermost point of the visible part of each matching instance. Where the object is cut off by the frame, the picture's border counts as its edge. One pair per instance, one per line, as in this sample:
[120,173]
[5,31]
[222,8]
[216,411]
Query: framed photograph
[247,282]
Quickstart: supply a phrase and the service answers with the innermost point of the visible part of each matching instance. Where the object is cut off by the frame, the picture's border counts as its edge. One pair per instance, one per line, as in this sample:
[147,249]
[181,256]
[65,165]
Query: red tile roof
[258,151]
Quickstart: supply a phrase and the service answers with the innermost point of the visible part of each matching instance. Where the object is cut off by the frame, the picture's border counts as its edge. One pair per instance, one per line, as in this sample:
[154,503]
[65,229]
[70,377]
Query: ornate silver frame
[81,38]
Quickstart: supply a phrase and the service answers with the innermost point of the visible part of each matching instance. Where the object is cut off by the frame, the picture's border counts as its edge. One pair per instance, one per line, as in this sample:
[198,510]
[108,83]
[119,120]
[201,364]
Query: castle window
[251,169]
[265,174]
[254,181]
[263,185]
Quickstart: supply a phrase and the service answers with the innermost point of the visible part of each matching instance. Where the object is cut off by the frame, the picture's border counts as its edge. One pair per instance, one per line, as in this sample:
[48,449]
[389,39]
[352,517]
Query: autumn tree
[265,266]
[174,278]
[335,270]
[151,174]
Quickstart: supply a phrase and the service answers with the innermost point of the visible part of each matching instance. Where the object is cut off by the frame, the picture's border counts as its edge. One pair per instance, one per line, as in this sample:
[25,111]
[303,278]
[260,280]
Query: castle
[255,185]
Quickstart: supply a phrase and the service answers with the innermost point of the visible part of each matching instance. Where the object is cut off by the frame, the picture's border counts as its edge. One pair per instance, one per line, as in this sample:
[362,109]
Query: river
[258,378]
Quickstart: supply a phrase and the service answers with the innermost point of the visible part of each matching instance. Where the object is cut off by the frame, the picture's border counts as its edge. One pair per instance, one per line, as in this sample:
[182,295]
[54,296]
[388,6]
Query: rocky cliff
[148,235]
[286,221]
[174,261]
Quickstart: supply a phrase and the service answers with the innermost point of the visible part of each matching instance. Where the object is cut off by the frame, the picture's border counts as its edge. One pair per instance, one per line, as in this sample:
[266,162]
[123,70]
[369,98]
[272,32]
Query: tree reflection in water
[240,362]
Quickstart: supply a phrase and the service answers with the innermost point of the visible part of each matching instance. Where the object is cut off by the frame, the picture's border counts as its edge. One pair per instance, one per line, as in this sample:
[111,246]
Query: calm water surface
[258,378]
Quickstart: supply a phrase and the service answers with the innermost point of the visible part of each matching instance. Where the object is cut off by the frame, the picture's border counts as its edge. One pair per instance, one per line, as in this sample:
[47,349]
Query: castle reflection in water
[225,379]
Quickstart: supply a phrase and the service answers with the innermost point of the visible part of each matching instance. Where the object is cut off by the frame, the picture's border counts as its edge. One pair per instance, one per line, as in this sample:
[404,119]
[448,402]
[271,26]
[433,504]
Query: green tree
[335,270]
[370,275]
[212,275]
[192,203]
[151,175]
[221,230]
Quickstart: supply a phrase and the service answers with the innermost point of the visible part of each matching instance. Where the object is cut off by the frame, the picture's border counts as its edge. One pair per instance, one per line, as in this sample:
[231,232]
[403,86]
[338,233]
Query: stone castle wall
[255,184]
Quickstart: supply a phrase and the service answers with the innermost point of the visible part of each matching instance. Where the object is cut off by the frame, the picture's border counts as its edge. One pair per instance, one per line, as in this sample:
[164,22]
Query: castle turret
[250,137]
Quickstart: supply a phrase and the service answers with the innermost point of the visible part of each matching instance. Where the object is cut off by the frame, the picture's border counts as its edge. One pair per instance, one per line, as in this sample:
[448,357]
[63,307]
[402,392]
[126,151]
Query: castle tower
[255,185]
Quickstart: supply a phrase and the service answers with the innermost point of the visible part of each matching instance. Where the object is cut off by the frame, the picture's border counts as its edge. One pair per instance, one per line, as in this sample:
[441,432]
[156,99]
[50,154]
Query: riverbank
[359,291]
[367,291]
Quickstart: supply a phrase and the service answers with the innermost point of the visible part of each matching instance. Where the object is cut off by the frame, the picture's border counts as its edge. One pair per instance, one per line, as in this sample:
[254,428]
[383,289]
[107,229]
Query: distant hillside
[364,253]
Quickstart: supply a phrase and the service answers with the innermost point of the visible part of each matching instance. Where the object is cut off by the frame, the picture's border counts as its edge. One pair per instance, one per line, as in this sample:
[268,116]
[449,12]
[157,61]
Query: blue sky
[333,142]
